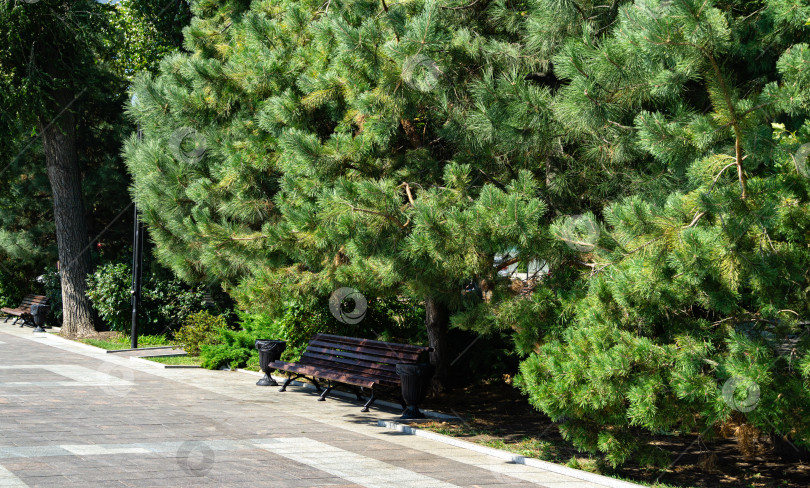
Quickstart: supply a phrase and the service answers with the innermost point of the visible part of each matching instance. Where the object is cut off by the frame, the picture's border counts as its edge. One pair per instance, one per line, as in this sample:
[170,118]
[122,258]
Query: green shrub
[200,328]
[215,356]
[13,285]
[165,303]
[236,347]
[109,290]
[391,319]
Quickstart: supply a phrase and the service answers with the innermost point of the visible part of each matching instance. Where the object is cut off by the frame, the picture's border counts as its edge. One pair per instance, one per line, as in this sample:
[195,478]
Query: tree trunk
[59,142]
[437,318]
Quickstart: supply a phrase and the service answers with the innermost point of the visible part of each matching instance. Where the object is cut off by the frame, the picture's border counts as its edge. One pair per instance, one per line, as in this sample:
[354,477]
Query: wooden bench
[360,363]
[24,310]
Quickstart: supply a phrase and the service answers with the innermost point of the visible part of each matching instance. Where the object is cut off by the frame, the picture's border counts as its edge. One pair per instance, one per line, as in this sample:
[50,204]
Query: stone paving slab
[74,416]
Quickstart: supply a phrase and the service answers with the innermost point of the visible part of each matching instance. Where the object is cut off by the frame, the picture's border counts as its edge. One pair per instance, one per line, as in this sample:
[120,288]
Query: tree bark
[437,318]
[59,142]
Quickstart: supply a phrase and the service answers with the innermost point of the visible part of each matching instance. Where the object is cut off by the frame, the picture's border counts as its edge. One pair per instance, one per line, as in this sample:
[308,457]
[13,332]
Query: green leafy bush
[109,290]
[165,303]
[390,319]
[236,347]
[199,328]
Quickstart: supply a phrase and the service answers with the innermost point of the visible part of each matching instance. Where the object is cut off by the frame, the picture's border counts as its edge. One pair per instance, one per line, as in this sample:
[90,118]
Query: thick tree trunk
[437,318]
[59,141]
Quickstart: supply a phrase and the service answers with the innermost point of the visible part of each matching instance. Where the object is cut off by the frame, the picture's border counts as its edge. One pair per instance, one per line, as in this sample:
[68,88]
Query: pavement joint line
[342,415]
[508,456]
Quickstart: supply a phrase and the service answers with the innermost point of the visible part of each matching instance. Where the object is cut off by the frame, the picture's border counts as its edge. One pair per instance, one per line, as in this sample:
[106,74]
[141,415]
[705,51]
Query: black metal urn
[269,351]
[39,312]
[415,380]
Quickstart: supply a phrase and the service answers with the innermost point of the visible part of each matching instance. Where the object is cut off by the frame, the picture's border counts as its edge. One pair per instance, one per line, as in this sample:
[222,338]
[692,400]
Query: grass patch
[121,341]
[176,360]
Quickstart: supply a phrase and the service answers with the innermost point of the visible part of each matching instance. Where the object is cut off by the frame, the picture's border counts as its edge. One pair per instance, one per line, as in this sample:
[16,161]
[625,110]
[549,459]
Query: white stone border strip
[508,456]
[155,364]
[113,351]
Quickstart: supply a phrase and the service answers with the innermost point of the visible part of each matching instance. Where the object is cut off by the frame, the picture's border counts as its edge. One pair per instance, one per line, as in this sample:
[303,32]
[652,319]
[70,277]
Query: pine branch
[462,7]
[735,123]
[408,192]
[374,212]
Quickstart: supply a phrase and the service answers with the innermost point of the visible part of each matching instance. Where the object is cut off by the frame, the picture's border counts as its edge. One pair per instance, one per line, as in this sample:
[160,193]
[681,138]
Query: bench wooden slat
[371,351]
[372,343]
[314,371]
[369,365]
[366,347]
[350,365]
[376,358]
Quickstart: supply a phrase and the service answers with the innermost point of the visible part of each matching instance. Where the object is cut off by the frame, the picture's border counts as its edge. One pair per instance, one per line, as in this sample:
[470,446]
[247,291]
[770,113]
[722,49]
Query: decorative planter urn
[39,312]
[415,380]
[269,351]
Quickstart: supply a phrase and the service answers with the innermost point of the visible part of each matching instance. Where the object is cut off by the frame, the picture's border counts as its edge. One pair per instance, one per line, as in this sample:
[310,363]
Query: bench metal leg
[286,383]
[322,398]
[357,394]
[369,402]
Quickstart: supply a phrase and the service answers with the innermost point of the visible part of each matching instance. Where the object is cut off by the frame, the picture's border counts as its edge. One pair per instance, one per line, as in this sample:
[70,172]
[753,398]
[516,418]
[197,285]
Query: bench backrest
[32,300]
[361,357]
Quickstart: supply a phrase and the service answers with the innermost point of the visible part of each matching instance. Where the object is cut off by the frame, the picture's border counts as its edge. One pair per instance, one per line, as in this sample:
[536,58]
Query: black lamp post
[137,272]
[137,268]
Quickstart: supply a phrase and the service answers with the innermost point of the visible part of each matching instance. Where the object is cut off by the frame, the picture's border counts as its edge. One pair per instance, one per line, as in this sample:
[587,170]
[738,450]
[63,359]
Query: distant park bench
[24,310]
[361,363]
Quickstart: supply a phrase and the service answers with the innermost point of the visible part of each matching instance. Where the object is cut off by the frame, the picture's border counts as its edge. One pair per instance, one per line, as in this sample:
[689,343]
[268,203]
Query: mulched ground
[497,411]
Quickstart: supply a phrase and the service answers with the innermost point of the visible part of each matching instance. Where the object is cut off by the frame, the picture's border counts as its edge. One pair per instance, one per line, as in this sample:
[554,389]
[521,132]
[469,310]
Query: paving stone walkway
[74,416]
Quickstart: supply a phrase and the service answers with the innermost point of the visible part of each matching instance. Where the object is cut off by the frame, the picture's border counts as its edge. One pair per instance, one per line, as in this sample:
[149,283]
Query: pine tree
[641,152]
[689,315]
[386,148]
